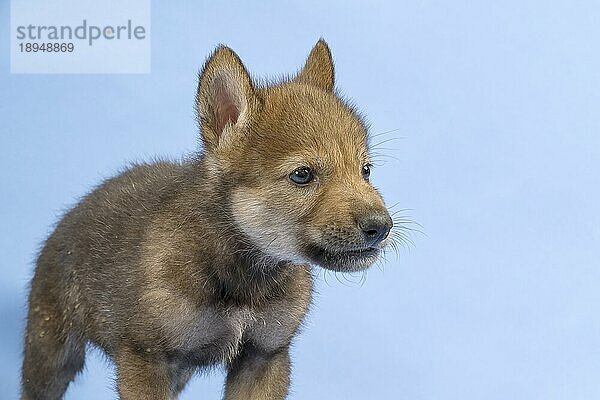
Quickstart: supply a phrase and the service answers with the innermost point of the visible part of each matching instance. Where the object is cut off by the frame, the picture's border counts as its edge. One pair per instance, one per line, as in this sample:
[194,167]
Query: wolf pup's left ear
[226,98]
[318,70]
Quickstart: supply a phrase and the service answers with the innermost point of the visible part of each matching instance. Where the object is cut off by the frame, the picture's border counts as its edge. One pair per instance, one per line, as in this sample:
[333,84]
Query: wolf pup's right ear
[318,70]
[226,98]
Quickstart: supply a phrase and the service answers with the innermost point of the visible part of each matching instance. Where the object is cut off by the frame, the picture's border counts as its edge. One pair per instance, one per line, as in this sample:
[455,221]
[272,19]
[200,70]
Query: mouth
[344,260]
[359,253]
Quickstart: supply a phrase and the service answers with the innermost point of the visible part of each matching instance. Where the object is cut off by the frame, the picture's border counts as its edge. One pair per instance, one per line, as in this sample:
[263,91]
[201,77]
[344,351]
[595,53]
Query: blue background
[495,107]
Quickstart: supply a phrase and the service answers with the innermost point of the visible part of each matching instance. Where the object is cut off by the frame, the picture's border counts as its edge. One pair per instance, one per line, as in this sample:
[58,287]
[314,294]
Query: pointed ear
[226,98]
[318,70]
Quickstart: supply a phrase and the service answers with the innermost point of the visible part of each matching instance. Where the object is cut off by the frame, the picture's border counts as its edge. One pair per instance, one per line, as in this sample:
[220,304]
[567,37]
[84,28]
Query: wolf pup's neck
[239,270]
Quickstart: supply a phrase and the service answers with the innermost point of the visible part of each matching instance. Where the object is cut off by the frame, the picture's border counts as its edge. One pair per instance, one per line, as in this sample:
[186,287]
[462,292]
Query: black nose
[375,228]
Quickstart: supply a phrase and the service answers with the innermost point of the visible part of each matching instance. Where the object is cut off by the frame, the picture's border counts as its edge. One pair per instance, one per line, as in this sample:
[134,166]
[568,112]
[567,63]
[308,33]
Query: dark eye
[366,171]
[301,175]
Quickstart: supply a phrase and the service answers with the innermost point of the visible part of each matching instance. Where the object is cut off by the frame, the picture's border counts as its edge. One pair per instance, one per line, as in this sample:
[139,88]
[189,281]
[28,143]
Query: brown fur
[172,267]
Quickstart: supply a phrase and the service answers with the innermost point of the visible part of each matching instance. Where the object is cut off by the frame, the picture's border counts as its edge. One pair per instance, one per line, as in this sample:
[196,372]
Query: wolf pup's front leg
[258,375]
[141,378]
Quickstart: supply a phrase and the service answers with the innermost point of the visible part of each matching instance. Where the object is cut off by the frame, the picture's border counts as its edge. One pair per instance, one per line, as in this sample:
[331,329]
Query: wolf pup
[174,267]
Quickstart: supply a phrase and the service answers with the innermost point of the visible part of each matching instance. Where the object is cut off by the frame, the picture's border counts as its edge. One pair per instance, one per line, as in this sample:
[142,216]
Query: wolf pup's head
[296,160]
